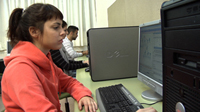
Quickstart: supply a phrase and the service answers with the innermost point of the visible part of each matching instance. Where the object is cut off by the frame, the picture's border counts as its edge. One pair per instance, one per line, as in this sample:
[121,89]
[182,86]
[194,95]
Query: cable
[151,103]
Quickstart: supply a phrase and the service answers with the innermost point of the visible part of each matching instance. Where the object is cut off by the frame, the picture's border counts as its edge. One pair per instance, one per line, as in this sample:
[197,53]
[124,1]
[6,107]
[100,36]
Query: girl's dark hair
[64,24]
[35,15]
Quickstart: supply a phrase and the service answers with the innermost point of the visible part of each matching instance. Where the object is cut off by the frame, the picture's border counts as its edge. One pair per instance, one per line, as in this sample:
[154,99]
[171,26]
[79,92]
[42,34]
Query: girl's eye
[56,28]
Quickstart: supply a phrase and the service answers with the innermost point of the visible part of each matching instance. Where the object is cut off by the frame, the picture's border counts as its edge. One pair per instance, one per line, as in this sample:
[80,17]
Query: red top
[31,81]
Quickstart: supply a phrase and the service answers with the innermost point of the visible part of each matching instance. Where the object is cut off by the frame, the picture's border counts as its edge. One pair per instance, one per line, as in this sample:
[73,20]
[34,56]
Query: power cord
[151,103]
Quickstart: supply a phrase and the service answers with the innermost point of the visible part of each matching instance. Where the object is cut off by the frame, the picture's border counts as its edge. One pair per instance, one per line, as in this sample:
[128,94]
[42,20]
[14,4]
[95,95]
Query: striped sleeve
[61,63]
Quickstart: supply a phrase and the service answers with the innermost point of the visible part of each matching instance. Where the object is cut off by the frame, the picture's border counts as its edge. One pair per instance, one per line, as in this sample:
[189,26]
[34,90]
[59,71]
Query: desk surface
[132,84]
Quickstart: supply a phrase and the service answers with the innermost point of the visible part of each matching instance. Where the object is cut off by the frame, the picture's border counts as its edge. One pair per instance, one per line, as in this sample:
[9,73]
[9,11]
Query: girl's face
[53,35]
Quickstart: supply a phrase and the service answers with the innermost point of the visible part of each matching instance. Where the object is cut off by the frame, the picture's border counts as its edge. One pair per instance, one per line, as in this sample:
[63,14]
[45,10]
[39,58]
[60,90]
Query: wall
[133,12]
[101,12]
[3,25]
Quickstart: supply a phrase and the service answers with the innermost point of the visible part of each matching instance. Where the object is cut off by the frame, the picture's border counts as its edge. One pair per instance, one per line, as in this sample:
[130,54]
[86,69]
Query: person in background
[31,81]
[67,42]
[61,60]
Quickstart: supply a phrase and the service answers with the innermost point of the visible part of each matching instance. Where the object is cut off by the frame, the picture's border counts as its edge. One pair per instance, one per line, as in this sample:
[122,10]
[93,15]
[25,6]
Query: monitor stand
[151,95]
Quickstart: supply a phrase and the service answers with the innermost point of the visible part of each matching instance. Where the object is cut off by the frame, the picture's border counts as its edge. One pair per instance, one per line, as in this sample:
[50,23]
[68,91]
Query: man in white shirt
[67,43]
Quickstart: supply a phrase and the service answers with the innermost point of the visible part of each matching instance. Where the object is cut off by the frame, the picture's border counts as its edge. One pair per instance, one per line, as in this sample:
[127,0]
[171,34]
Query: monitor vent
[178,92]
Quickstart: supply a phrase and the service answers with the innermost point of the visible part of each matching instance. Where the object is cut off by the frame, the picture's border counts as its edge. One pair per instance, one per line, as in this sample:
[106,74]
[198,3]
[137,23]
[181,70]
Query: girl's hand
[149,109]
[89,104]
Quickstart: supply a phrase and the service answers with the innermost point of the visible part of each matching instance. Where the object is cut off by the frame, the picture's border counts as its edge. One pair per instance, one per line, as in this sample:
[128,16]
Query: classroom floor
[70,100]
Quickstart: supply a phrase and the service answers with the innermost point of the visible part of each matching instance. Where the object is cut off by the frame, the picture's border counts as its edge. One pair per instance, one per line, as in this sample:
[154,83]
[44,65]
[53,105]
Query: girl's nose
[62,33]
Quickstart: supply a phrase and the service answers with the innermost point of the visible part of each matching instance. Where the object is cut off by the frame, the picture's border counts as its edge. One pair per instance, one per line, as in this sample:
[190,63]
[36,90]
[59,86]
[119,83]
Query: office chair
[2,66]
[65,95]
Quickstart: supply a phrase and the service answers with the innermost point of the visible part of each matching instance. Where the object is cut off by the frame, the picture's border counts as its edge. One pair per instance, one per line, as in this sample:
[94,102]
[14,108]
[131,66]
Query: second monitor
[150,59]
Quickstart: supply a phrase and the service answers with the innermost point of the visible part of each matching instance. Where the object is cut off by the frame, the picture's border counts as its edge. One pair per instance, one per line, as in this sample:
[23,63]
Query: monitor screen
[150,59]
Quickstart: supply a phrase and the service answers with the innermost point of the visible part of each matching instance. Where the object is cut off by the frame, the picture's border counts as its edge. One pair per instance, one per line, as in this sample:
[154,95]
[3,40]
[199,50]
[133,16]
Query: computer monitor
[9,48]
[150,59]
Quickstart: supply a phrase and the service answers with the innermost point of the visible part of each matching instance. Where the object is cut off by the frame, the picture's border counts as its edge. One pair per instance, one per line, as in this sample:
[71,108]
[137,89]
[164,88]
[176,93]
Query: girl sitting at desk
[31,81]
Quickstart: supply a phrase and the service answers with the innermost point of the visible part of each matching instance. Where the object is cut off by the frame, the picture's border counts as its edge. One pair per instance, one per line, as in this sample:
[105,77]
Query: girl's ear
[34,32]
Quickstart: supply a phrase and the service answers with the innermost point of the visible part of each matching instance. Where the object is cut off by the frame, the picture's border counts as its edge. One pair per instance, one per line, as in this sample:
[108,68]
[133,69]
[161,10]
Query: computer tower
[113,52]
[180,21]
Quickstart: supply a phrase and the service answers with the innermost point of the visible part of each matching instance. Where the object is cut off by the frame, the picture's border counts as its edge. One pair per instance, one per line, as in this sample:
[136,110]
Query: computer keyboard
[116,98]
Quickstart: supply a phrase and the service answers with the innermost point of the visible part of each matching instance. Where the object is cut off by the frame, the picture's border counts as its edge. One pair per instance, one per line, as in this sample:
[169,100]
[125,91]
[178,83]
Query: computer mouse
[87,69]
[88,56]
